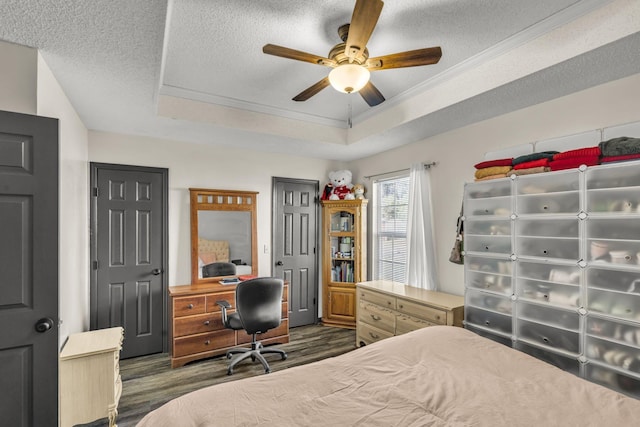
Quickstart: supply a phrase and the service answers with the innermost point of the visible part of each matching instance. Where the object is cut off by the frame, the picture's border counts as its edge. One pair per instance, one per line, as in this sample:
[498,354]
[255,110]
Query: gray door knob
[44,324]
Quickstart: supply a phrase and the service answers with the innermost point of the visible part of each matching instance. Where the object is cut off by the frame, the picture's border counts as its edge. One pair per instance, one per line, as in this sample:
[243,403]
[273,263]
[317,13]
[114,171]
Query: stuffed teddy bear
[358,191]
[339,186]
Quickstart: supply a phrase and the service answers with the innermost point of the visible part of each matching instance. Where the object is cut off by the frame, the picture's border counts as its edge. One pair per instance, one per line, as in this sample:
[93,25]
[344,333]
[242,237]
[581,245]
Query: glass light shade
[349,78]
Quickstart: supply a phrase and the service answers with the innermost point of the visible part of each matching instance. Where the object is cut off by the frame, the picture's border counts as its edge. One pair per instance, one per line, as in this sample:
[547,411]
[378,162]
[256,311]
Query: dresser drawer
[405,323]
[375,315]
[203,342]
[377,298]
[198,324]
[368,334]
[424,312]
[186,306]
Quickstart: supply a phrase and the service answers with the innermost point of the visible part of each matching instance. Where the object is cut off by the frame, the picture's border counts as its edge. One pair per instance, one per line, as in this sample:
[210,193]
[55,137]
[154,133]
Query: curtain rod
[426,166]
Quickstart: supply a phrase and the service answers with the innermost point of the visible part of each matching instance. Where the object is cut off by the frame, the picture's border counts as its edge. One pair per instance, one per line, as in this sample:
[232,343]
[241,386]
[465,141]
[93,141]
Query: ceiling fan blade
[363,21]
[371,95]
[310,91]
[411,58]
[298,55]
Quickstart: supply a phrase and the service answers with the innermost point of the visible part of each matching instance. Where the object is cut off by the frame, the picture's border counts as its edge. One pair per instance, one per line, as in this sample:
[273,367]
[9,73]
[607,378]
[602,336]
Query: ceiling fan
[350,59]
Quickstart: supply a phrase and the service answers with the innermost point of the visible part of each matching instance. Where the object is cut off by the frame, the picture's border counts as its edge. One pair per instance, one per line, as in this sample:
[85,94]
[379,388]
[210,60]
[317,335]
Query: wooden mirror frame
[222,200]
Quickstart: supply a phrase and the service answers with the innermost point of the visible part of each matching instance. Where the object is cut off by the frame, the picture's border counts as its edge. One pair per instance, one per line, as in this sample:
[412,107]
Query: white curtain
[421,259]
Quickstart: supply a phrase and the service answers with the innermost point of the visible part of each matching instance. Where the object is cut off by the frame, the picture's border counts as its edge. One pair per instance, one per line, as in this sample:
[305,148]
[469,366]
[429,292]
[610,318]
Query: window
[390,212]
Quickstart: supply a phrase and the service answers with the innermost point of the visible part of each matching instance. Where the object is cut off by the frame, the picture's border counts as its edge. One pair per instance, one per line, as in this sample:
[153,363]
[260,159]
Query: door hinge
[95,192]
[95,265]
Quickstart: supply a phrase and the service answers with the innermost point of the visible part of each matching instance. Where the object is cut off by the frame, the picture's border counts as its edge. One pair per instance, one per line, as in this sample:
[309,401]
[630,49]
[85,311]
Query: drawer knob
[207,342]
[374,336]
[375,317]
[388,302]
[401,306]
[206,322]
[545,339]
[190,306]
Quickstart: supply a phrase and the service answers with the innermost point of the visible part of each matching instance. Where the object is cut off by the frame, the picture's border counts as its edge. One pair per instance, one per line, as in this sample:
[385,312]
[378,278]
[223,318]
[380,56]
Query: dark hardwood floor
[148,382]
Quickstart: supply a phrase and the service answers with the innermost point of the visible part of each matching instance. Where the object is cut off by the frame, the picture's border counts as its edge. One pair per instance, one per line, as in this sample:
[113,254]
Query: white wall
[457,151]
[202,166]
[18,78]
[73,203]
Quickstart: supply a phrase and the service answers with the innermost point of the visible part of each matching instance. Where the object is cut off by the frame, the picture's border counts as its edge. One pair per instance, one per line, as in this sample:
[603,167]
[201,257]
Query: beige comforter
[437,376]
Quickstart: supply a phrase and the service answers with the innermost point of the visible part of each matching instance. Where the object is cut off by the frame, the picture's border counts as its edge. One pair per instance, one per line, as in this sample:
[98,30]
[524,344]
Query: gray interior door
[129,247]
[28,270]
[295,243]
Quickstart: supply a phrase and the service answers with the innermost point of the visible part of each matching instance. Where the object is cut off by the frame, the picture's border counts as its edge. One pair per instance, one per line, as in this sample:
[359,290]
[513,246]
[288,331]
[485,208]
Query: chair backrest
[259,303]
[216,269]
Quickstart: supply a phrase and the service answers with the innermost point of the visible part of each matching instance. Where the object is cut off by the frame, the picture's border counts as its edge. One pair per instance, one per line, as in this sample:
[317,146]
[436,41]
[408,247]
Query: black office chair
[216,269]
[258,309]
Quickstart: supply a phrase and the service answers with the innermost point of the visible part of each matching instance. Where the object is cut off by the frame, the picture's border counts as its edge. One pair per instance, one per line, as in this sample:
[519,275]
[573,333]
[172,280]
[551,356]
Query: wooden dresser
[90,384]
[196,323]
[385,309]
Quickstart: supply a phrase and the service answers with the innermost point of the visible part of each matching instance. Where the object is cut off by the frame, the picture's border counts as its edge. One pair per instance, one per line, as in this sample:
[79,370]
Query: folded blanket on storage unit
[620,146]
[579,152]
[494,170]
[534,156]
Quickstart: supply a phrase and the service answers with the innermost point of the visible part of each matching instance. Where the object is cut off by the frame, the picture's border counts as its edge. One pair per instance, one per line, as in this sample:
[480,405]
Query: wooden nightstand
[90,384]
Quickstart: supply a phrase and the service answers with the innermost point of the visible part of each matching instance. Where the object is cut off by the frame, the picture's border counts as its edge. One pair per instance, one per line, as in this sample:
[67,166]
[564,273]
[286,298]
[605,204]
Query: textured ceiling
[194,70]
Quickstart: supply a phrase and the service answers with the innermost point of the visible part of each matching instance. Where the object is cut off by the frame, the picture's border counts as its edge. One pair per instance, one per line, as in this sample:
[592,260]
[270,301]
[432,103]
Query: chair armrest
[224,305]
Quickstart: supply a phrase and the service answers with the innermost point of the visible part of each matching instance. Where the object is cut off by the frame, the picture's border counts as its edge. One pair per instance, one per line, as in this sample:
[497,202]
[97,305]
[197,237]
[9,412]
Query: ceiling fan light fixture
[349,78]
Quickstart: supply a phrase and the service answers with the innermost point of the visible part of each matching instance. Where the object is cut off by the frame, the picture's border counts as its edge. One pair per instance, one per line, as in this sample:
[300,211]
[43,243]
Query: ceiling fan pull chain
[349,122]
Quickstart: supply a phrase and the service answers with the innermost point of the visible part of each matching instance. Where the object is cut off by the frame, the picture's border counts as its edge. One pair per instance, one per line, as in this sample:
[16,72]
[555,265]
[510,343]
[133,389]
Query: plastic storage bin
[549,283]
[488,319]
[549,336]
[489,274]
[562,361]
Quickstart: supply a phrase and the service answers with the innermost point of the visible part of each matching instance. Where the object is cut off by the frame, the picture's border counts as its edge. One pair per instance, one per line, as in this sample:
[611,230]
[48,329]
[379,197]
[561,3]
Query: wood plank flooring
[148,382]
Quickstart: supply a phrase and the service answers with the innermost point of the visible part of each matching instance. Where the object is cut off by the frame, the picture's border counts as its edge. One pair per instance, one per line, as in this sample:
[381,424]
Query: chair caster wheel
[229,372]
[229,356]
[284,357]
[267,371]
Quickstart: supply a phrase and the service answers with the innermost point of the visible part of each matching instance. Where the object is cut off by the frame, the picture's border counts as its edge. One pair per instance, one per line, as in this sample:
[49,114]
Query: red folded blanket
[620,158]
[574,162]
[491,163]
[532,164]
[579,152]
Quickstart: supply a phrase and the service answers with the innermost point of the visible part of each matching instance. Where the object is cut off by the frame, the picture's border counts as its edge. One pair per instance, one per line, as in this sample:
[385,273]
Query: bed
[436,376]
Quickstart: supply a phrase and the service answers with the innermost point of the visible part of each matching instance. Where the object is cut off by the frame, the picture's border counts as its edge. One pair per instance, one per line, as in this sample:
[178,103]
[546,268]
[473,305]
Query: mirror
[223,230]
